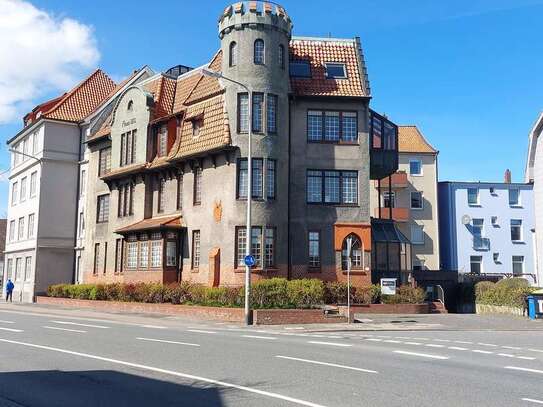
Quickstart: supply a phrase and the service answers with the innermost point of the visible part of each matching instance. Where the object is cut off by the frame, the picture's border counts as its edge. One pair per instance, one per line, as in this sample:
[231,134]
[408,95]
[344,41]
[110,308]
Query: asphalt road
[50,357]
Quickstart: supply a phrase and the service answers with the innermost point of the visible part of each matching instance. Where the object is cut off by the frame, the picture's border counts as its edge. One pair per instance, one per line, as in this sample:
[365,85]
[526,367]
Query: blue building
[487,228]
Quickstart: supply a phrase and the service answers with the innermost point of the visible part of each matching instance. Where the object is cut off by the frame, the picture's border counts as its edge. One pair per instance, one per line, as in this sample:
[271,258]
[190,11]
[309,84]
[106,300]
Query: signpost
[249,260]
[388,286]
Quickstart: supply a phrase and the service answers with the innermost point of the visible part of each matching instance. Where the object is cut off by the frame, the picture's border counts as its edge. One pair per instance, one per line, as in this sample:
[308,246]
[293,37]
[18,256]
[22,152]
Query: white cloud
[39,53]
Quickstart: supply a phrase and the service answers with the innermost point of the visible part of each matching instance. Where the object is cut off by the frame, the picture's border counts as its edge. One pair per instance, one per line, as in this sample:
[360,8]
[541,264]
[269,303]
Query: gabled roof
[411,140]
[318,51]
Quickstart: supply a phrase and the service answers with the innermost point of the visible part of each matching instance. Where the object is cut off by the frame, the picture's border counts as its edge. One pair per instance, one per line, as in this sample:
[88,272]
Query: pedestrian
[9,290]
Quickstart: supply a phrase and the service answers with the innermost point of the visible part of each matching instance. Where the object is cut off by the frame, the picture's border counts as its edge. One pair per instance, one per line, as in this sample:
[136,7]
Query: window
[18,268]
[357,255]
[415,167]
[161,194]
[271,114]
[23,189]
[516,230]
[257,187]
[105,258]
[281,56]
[514,197]
[14,193]
[243,113]
[335,70]
[332,187]
[21,234]
[477,227]
[258,107]
[256,245]
[11,230]
[332,126]
[96,258]
[34,143]
[262,246]
[389,199]
[496,257]
[30,232]
[104,165]
[125,205]
[132,255]
[82,182]
[128,148]
[259,52]
[144,254]
[180,191]
[476,264]
[518,265]
[119,255]
[9,268]
[33,181]
[102,208]
[418,264]
[417,234]
[416,200]
[241,244]
[130,106]
[473,196]
[299,69]
[195,249]
[494,221]
[271,179]
[171,253]
[162,141]
[196,126]
[269,247]
[197,196]
[314,239]
[233,54]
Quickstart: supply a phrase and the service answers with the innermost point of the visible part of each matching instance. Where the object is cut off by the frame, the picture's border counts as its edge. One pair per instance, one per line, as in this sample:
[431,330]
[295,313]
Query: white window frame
[480,261]
[421,201]
[477,202]
[520,230]
[518,203]
[513,262]
[416,160]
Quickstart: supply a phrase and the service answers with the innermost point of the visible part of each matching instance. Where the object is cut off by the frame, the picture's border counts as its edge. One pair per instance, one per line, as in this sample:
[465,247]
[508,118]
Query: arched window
[130,106]
[281,56]
[259,52]
[357,252]
[233,55]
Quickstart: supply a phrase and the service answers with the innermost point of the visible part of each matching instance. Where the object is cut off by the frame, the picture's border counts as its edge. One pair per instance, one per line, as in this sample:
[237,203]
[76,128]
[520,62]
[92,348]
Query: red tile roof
[411,140]
[318,51]
[163,222]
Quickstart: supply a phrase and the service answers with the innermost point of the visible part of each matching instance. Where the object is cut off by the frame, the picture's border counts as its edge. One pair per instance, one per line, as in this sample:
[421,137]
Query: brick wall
[292,316]
[387,309]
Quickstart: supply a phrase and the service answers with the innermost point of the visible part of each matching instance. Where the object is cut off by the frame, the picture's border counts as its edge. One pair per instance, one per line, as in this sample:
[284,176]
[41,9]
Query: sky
[468,73]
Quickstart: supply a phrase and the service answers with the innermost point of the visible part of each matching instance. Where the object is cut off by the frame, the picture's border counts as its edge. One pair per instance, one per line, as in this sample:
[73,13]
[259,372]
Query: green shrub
[405,294]
[507,292]
[367,294]
[178,293]
[269,293]
[305,293]
[482,287]
[55,290]
[513,283]
[335,292]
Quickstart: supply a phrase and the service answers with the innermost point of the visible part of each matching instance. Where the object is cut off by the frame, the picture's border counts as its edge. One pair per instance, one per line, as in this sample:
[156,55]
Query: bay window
[332,126]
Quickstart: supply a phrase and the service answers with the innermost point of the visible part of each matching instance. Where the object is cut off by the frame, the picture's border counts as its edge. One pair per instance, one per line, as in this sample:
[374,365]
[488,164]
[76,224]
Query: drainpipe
[77,189]
[289,266]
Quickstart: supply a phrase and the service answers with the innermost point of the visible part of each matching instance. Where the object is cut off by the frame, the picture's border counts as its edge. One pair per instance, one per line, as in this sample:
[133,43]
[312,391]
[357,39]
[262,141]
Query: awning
[385,230]
[161,223]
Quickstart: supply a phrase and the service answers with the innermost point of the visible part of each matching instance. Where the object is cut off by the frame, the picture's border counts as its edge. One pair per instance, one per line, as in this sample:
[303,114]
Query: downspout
[289,254]
[77,190]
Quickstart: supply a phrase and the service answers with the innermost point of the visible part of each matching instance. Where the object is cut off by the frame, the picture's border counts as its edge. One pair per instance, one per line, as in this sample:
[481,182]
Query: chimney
[507,176]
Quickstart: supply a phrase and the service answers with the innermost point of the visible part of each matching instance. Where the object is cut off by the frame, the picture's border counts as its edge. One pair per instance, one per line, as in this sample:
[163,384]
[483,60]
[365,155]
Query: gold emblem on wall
[217,211]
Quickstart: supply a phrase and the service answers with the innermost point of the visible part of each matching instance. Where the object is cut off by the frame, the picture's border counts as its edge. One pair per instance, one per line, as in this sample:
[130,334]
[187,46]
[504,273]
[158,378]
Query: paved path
[53,357]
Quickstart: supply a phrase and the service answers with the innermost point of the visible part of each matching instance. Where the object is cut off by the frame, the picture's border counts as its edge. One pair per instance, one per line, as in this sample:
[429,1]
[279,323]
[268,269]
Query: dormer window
[300,69]
[130,106]
[335,70]
[162,141]
[196,126]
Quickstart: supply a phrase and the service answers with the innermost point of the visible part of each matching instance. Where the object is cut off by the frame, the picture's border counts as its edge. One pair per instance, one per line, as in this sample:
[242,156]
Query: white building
[534,174]
[43,189]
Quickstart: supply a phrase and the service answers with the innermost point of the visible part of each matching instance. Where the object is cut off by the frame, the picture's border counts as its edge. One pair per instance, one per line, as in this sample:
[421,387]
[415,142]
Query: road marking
[330,343]
[511,347]
[423,355]
[170,372]
[442,340]
[485,352]
[333,337]
[327,364]
[259,337]
[75,323]
[6,322]
[464,342]
[200,331]
[536,350]
[532,401]
[294,327]
[392,341]
[154,326]
[456,348]
[64,329]
[413,343]
[434,345]
[506,355]
[524,369]
[374,340]
[525,357]
[165,341]
[11,329]
[487,344]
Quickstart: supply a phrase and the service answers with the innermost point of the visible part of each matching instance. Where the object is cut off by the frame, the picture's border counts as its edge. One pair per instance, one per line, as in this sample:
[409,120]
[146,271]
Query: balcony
[398,181]
[383,146]
[481,243]
[398,214]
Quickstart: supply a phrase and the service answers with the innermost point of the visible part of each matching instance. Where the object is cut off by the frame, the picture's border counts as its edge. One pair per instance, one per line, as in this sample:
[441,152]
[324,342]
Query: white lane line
[6,322]
[456,348]
[11,329]
[422,355]
[487,344]
[170,372]
[345,345]
[165,341]
[434,345]
[374,340]
[511,347]
[536,350]
[506,355]
[327,364]
[154,326]
[259,337]
[484,352]
[524,369]
[464,342]
[65,329]
[532,401]
[333,337]
[77,324]
[442,340]
[525,357]
[201,331]
[294,328]
[413,343]
[392,341]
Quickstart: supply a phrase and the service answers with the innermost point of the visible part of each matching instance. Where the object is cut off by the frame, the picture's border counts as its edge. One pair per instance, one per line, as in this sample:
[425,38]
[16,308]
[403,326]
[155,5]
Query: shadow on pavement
[99,388]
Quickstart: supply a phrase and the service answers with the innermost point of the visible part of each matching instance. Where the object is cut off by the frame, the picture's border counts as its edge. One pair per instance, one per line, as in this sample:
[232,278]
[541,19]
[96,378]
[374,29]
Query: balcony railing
[481,243]
[398,214]
[398,180]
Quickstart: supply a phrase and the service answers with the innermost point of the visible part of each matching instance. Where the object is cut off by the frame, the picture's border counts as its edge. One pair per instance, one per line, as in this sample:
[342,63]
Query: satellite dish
[466,220]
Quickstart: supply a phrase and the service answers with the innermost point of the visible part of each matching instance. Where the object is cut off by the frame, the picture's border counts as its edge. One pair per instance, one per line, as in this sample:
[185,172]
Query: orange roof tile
[83,99]
[205,88]
[319,51]
[163,91]
[411,140]
[163,222]
[185,85]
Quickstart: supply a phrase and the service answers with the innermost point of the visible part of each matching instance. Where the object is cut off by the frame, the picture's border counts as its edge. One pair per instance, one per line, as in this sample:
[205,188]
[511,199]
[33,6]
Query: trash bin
[535,305]
[531,306]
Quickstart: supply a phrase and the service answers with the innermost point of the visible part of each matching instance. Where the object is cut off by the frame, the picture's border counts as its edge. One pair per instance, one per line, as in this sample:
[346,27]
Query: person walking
[9,290]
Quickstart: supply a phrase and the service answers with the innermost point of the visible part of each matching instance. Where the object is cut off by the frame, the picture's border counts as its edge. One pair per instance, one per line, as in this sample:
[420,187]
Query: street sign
[388,286]
[249,261]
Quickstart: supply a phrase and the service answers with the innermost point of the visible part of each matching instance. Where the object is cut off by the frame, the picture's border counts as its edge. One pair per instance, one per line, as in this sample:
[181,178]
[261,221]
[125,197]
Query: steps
[437,307]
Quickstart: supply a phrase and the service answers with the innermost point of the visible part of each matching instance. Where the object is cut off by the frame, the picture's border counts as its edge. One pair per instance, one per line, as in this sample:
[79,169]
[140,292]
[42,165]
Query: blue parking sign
[249,261]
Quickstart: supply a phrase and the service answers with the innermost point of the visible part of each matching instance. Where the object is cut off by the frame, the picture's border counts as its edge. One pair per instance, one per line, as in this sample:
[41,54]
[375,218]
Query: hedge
[509,292]
[405,295]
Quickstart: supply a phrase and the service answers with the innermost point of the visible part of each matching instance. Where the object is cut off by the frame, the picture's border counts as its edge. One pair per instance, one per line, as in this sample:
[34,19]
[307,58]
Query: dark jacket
[10,286]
